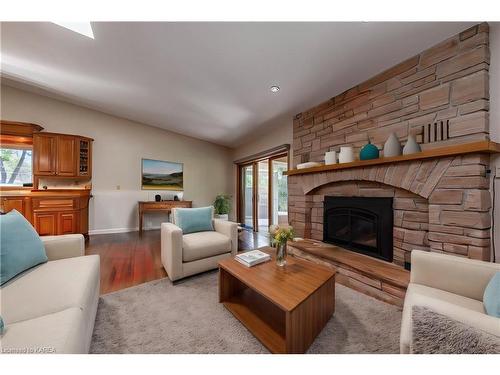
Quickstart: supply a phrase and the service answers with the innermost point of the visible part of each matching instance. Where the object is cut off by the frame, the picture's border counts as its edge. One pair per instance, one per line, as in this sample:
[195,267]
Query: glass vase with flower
[280,235]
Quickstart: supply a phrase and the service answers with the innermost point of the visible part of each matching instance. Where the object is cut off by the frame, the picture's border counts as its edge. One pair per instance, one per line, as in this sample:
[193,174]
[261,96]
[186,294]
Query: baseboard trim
[118,230]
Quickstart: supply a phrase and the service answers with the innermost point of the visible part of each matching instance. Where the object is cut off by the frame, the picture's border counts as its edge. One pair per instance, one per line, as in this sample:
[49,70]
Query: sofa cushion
[491,298]
[49,288]
[60,332]
[20,246]
[204,245]
[192,220]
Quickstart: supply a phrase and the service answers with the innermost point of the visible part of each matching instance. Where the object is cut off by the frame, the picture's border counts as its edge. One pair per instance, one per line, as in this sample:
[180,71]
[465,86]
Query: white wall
[279,134]
[495,125]
[118,147]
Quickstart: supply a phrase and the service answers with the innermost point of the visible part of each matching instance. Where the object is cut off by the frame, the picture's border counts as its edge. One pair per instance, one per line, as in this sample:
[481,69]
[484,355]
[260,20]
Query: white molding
[118,230]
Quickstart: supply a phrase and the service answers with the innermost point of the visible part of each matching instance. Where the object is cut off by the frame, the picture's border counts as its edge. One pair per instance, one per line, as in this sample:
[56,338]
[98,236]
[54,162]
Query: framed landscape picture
[161,175]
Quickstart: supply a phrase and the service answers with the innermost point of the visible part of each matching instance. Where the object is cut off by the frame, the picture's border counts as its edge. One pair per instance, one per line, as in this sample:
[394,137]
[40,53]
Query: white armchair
[189,254]
[450,286]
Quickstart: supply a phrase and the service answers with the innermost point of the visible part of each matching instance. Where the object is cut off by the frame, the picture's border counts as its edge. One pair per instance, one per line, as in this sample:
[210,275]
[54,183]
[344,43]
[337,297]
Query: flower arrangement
[281,234]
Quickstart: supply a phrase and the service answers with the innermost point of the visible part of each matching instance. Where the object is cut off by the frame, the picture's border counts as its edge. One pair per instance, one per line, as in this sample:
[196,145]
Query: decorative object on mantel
[392,147]
[330,157]
[309,164]
[222,206]
[346,154]
[411,146]
[157,198]
[369,152]
[485,147]
[281,234]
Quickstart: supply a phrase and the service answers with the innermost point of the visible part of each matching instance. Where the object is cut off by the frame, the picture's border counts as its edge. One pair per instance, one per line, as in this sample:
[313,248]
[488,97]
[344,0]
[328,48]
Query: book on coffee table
[251,258]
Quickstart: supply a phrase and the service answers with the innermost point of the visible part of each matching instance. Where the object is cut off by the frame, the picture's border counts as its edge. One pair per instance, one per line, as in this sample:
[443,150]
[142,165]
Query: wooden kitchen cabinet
[44,154]
[59,159]
[21,204]
[61,155]
[9,204]
[84,157]
[45,223]
[66,159]
[55,215]
[67,222]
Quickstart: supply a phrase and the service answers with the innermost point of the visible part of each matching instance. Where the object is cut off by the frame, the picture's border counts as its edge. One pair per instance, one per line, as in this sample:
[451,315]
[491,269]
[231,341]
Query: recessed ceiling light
[275,89]
[83,28]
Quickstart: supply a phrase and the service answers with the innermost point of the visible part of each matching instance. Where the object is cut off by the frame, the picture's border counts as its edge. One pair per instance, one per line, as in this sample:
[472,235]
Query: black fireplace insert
[364,225]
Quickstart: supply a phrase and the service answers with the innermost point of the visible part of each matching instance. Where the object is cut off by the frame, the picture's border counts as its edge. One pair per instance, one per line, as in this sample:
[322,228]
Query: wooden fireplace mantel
[488,147]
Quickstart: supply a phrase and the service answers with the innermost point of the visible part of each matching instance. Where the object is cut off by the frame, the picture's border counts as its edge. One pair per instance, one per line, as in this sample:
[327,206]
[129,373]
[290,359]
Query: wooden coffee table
[284,307]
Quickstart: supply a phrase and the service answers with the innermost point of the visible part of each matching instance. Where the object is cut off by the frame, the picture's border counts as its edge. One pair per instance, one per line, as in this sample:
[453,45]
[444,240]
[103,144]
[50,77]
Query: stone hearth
[382,280]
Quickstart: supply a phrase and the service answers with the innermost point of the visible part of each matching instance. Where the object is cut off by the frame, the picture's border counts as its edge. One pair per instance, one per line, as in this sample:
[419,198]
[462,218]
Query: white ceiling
[208,80]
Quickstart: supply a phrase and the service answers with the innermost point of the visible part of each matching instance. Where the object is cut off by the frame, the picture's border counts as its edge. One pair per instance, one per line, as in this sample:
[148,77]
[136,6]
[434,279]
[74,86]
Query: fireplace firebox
[361,224]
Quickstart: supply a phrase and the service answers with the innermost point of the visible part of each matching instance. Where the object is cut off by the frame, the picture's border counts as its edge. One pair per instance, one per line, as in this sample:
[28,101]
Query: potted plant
[280,235]
[222,206]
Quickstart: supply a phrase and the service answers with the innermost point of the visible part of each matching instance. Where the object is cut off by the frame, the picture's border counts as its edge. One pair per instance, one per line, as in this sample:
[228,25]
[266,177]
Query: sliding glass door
[279,190]
[246,196]
[263,193]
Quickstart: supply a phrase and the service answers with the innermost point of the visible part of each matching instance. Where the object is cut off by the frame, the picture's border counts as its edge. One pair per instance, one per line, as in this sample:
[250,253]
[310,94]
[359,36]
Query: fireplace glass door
[354,226]
[360,224]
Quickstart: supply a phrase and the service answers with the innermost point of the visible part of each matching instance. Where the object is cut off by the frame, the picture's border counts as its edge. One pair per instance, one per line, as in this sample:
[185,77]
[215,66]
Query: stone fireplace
[441,204]
[441,201]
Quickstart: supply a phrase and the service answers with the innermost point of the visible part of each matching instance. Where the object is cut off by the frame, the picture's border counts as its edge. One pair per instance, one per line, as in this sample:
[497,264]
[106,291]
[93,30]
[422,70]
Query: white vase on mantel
[346,154]
[330,157]
[411,146]
[392,147]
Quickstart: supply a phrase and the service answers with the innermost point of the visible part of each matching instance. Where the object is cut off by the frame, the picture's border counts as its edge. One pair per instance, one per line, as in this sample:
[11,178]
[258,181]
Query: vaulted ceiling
[207,80]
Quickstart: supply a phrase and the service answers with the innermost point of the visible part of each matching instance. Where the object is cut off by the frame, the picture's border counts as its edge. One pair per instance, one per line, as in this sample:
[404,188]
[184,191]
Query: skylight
[83,28]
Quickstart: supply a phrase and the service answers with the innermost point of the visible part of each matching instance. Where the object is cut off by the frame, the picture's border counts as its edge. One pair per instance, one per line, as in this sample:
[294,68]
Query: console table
[161,206]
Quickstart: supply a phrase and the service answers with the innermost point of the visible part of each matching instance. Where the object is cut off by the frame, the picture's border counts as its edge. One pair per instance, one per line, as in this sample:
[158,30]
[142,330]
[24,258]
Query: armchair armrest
[64,246]
[171,250]
[462,276]
[229,229]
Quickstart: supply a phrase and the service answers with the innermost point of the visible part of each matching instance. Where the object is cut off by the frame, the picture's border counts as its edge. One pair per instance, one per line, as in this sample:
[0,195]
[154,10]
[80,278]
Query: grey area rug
[158,317]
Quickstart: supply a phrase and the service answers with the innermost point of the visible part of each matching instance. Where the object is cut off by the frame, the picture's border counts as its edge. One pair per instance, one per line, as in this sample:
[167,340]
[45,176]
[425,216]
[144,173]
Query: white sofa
[449,285]
[189,254]
[51,308]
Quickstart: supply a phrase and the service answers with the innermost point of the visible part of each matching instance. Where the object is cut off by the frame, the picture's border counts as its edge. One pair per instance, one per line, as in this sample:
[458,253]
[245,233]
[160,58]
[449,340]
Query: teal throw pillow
[20,246]
[192,220]
[491,297]
[1,325]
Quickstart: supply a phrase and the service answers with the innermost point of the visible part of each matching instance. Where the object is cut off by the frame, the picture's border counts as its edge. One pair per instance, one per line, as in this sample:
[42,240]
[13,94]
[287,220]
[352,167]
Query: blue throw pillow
[1,325]
[192,220]
[20,246]
[491,297]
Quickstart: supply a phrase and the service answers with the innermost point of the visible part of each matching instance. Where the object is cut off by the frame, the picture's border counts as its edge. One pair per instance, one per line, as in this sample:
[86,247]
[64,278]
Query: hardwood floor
[248,240]
[128,259]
